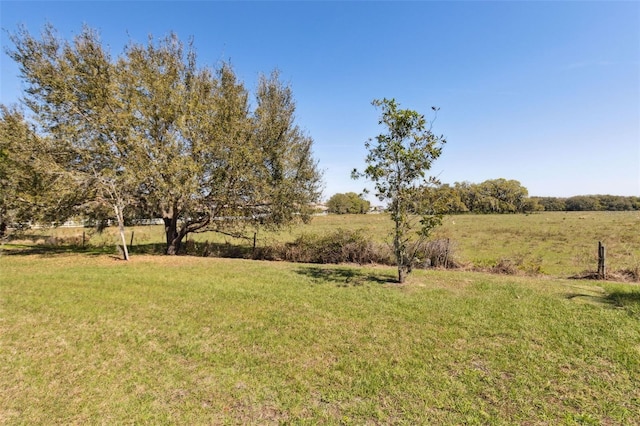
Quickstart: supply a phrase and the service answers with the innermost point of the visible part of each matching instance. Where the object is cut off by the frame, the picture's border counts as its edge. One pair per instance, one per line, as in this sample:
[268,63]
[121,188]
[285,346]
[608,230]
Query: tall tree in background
[495,196]
[503,196]
[153,131]
[287,176]
[443,198]
[73,90]
[348,203]
[287,170]
[397,163]
[32,186]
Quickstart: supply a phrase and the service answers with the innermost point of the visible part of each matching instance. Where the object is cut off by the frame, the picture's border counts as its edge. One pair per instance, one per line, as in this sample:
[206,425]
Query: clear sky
[547,93]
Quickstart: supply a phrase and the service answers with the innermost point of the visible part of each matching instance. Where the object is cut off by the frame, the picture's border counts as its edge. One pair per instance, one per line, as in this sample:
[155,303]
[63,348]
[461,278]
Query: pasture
[559,244]
[88,339]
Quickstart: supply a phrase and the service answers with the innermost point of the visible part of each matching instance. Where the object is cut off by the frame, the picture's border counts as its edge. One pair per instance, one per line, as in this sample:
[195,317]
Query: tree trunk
[402,275]
[120,217]
[175,235]
[399,251]
[174,238]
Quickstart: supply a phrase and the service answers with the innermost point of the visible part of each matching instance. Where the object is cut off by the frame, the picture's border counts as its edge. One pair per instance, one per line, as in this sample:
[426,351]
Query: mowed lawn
[88,339]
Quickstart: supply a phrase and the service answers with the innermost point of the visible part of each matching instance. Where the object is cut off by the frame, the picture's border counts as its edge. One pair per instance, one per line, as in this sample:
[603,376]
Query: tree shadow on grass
[628,300]
[625,299]
[26,237]
[198,249]
[53,250]
[591,299]
[341,276]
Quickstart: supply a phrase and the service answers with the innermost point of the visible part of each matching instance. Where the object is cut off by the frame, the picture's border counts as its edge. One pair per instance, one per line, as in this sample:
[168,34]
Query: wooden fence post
[446,255]
[602,271]
[255,236]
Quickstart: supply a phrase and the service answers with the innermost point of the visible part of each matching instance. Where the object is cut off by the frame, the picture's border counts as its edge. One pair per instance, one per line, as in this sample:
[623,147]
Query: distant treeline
[490,196]
[589,203]
[509,196]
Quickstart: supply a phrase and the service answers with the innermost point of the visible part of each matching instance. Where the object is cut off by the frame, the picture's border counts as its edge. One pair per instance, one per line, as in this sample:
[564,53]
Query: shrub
[210,249]
[341,246]
[437,254]
[516,265]
[69,240]
[506,267]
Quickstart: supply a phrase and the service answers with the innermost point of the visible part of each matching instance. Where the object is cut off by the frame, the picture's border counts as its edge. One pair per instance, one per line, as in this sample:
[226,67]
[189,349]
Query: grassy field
[560,244]
[88,339]
[554,243]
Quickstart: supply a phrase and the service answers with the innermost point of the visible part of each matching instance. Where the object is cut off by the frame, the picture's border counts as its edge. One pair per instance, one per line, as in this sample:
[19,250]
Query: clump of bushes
[70,240]
[209,249]
[622,275]
[506,267]
[513,266]
[349,246]
[346,246]
[437,254]
[340,246]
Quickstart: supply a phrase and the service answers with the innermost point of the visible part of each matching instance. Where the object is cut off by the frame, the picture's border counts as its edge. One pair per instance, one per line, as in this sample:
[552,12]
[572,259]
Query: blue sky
[547,93]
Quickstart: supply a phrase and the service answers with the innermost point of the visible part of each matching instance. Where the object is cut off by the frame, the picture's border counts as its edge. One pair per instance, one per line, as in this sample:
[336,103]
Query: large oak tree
[153,132]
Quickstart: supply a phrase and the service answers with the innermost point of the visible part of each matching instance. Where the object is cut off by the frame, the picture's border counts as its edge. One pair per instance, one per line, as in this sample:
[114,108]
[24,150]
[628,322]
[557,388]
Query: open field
[554,243]
[87,339]
[559,243]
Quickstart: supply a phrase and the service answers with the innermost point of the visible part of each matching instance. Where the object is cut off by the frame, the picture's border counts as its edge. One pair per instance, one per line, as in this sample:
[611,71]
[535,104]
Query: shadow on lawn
[190,249]
[628,300]
[199,249]
[53,250]
[625,299]
[342,277]
[12,237]
[591,299]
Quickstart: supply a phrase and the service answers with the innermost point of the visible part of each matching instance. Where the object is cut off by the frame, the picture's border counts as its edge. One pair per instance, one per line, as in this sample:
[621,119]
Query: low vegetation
[561,244]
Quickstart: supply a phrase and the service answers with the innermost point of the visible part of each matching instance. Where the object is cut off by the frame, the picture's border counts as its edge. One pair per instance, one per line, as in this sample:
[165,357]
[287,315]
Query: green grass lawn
[88,339]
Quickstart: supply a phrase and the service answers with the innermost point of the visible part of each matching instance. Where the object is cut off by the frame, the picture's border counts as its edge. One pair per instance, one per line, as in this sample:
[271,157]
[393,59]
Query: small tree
[397,163]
